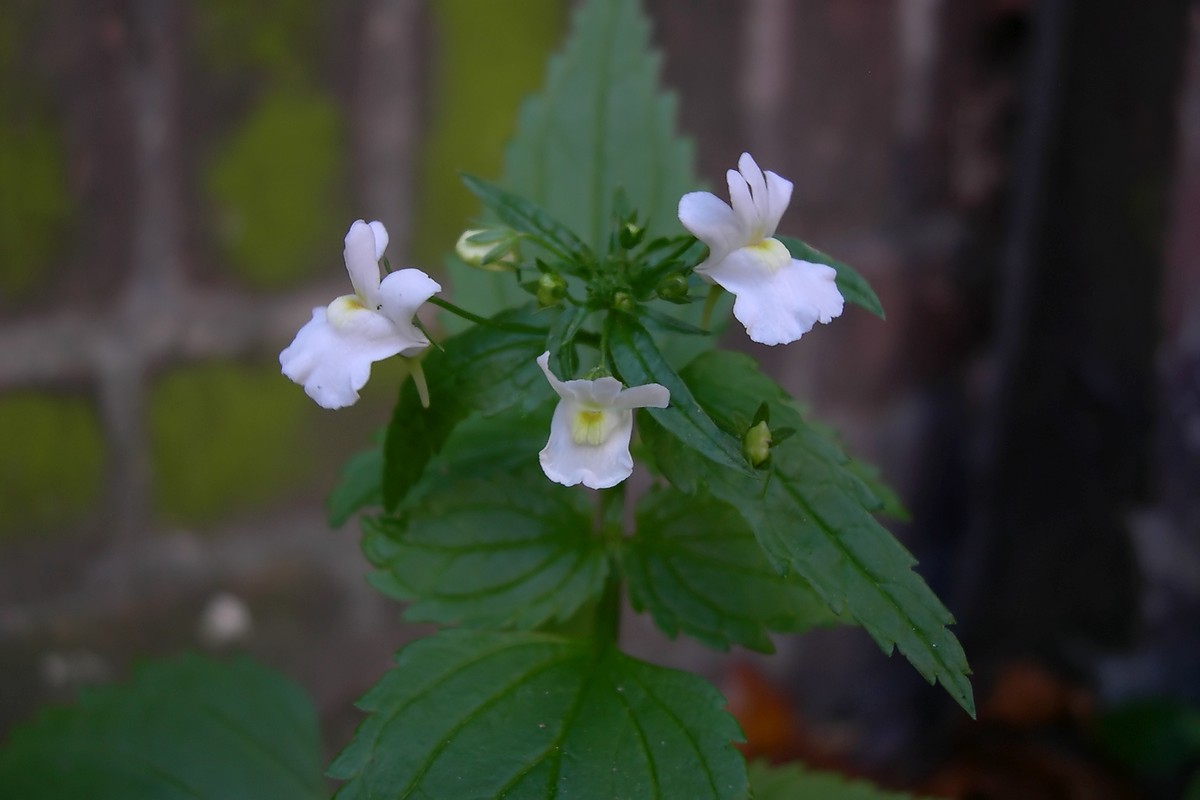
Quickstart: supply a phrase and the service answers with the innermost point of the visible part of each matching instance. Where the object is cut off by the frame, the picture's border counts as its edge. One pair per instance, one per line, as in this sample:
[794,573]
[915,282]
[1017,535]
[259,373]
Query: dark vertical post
[1064,456]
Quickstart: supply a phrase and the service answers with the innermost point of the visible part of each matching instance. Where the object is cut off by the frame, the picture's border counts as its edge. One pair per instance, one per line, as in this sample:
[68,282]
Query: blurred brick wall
[192,167]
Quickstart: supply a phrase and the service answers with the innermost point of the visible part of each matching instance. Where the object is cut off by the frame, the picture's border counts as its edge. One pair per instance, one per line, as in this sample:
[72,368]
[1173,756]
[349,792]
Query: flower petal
[400,295]
[778,301]
[753,174]
[558,386]
[595,466]
[650,395]
[332,359]
[743,206]
[779,194]
[362,262]
[381,238]
[712,221]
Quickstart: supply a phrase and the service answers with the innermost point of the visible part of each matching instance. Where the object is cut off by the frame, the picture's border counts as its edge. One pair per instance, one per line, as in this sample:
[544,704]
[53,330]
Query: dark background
[1019,180]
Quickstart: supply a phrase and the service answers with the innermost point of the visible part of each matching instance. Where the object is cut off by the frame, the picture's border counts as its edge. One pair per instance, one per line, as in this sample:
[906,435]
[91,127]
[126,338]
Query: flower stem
[608,612]
[710,302]
[511,327]
[610,527]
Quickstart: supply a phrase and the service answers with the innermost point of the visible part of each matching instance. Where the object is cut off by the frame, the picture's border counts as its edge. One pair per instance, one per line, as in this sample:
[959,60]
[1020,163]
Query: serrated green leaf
[811,514]
[192,728]
[600,124]
[508,550]
[854,287]
[526,715]
[695,565]
[889,503]
[528,218]
[795,782]
[359,486]
[639,362]
[483,370]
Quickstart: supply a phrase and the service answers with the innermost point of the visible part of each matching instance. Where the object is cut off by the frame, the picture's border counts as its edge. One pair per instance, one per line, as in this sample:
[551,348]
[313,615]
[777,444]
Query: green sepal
[853,286]
[695,565]
[526,716]
[639,362]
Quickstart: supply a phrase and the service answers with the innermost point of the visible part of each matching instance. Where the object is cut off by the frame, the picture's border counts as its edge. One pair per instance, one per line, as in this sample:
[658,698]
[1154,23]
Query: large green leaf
[600,123]
[192,728]
[854,287]
[812,514]
[695,565]
[794,782]
[485,370]
[359,486]
[639,362]
[509,550]
[527,715]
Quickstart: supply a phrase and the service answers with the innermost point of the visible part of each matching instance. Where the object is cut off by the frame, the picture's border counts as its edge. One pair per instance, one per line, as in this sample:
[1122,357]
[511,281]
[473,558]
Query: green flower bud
[673,287]
[757,443]
[551,289]
[630,235]
[496,254]
[623,301]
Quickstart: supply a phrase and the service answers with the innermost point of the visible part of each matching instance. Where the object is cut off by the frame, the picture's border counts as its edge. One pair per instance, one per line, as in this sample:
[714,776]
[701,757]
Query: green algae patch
[33,214]
[277,190]
[278,37]
[226,438]
[35,204]
[51,461]
[488,56]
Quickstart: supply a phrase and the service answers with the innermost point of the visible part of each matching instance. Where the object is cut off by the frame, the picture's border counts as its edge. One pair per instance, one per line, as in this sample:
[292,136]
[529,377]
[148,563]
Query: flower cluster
[777,298]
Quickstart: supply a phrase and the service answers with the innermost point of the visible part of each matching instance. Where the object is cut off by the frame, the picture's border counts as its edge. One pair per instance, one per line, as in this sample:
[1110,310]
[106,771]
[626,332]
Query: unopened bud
[623,301]
[757,443]
[673,288]
[630,235]
[497,244]
[551,289]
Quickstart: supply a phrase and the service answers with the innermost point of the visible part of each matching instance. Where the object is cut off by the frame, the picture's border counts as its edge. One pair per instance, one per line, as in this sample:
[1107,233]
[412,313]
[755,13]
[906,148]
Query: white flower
[778,298]
[332,354]
[589,435]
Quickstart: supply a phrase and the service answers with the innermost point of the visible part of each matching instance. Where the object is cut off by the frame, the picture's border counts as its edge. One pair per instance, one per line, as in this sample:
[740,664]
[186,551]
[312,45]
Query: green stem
[608,612]
[680,250]
[610,527]
[511,327]
[710,302]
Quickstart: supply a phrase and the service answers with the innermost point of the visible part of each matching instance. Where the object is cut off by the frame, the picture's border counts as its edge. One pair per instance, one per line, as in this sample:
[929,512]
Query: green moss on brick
[51,461]
[278,37]
[277,191]
[34,202]
[488,57]
[226,438]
